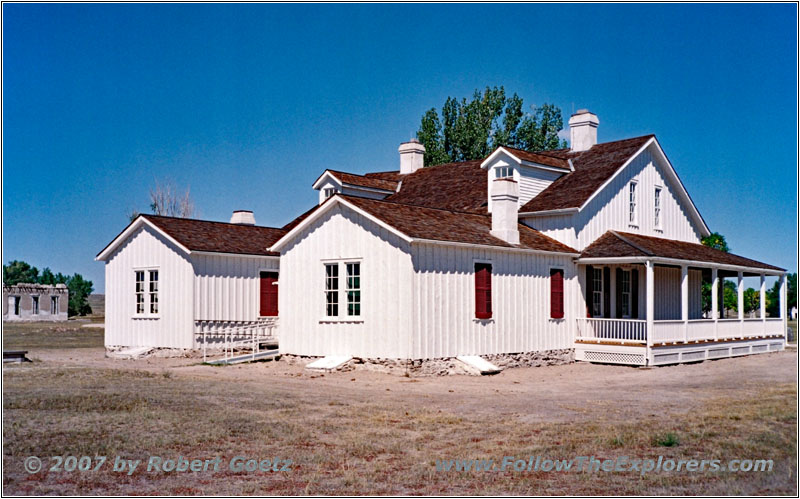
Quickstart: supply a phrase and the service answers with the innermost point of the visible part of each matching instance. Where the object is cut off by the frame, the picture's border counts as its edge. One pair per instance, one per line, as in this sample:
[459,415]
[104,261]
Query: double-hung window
[657,208]
[597,292]
[146,292]
[625,293]
[349,295]
[632,219]
[332,289]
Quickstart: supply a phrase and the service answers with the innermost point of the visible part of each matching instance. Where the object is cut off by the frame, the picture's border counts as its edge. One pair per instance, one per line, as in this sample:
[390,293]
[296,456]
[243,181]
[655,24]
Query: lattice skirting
[613,357]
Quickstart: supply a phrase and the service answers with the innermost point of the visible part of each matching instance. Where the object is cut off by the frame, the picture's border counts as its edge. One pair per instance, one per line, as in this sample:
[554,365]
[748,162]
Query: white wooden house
[594,248]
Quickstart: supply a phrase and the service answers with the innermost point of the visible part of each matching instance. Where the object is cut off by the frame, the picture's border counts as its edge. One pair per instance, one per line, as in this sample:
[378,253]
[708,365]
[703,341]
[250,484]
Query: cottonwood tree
[467,130]
[167,200]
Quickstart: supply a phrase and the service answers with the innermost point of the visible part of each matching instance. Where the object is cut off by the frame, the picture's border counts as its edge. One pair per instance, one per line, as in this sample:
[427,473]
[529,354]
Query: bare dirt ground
[364,432]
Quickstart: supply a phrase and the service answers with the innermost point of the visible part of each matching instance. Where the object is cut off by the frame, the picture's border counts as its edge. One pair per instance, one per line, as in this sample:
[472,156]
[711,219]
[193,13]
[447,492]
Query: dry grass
[49,335]
[365,444]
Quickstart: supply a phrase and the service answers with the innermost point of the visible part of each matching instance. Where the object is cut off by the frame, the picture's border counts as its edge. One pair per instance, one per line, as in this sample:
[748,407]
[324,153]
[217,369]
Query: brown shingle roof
[365,181]
[452,186]
[218,237]
[592,168]
[420,222]
[540,157]
[621,244]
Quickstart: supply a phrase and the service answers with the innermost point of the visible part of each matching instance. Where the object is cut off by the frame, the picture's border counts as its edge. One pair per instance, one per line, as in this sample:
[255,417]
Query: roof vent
[583,130]
[411,156]
[243,217]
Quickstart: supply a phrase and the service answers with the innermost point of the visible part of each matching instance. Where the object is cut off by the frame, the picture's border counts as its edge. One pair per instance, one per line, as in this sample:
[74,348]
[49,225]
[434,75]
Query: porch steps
[246,357]
[479,363]
[328,363]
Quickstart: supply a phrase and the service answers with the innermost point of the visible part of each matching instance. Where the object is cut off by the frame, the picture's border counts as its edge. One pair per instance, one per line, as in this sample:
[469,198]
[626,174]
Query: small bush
[666,440]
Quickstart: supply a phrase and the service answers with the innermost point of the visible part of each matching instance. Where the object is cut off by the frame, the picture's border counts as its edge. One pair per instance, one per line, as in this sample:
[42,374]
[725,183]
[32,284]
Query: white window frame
[332,292]
[658,212]
[348,289]
[626,295]
[147,292]
[342,291]
[597,294]
[328,192]
[633,202]
[504,172]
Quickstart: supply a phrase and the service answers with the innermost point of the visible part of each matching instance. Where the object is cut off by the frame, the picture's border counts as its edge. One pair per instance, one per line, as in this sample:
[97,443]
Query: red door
[269,294]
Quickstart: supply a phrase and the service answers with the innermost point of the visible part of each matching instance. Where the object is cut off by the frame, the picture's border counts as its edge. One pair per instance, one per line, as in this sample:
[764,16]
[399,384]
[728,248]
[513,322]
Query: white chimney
[505,208]
[243,217]
[411,156]
[583,130]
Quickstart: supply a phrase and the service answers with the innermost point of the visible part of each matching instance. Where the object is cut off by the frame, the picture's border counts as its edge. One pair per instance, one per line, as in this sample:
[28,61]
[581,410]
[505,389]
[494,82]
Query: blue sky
[247,104]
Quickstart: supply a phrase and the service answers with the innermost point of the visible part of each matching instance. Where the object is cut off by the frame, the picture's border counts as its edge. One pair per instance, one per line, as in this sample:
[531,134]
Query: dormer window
[504,172]
[328,192]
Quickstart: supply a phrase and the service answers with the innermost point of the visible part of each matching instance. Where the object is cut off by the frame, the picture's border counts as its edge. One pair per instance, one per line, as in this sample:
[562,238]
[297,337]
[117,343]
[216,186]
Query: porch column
[782,295]
[715,299]
[740,301]
[762,302]
[651,306]
[685,301]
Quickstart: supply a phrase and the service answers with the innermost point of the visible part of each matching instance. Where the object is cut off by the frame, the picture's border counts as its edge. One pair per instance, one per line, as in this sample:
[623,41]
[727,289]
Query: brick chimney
[505,209]
[412,154]
[582,130]
[243,217]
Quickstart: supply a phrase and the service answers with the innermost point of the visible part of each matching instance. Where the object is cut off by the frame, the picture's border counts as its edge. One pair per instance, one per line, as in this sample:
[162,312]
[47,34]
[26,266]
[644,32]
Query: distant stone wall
[19,302]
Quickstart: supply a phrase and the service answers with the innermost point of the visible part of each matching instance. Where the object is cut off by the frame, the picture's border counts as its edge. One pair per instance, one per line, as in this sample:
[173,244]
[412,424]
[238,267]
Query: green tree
[774,294]
[471,129]
[16,272]
[79,291]
[751,300]
[717,241]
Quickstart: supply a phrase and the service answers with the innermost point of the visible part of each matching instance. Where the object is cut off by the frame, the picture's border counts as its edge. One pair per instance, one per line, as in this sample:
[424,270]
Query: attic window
[504,172]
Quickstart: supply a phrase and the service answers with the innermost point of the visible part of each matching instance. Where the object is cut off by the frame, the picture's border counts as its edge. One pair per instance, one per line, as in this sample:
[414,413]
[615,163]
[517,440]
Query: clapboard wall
[609,209]
[172,327]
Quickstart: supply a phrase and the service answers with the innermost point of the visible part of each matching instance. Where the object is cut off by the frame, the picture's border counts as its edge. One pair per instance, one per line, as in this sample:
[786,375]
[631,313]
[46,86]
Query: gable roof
[360,180]
[424,224]
[593,168]
[541,158]
[203,235]
[614,244]
[451,186]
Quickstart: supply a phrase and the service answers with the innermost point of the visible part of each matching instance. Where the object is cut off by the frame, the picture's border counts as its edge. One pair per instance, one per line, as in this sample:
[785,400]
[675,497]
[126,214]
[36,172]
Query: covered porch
[645,303]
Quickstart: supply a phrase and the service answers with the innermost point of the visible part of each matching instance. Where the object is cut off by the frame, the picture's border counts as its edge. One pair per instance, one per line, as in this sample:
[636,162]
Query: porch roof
[626,247]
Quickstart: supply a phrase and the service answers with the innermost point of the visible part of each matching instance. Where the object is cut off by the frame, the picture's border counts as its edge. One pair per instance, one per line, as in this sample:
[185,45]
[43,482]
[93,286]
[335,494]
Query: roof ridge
[347,196]
[146,215]
[629,242]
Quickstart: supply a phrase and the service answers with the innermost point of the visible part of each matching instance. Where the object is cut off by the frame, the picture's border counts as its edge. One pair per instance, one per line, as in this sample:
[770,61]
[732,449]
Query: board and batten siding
[383,330]
[532,181]
[609,209]
[226,287]
[172,328]
[444,302]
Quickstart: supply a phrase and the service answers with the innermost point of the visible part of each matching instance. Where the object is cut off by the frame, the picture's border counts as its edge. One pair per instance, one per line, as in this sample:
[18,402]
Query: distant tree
[16,272]
[167,200]
[774,293]
[751,301]
[79,291]
[468,130]
[730,295]
[717,241]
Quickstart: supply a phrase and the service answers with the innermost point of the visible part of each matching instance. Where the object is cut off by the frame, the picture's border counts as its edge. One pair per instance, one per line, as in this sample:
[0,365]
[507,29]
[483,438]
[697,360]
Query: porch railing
[676,331]
[631,331]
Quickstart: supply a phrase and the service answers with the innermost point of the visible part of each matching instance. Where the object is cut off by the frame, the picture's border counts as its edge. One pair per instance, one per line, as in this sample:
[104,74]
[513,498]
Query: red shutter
[483,291]
[269,294]
[556,293]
